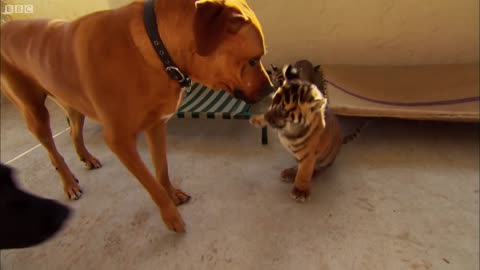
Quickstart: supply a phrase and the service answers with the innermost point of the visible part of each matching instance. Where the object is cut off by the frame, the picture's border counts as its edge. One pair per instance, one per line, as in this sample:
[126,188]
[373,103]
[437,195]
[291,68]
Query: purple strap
[407,104]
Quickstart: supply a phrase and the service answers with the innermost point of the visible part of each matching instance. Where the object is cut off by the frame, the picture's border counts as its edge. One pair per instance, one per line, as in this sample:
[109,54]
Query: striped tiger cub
[306,128]
[306,71]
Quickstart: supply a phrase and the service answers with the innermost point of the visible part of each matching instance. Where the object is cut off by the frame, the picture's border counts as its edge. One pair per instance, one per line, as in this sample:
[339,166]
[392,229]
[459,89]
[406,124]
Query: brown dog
[103,66]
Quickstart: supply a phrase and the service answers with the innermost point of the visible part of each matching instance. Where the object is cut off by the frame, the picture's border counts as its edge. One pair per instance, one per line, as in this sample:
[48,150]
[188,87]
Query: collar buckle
[150,23]
[177,75]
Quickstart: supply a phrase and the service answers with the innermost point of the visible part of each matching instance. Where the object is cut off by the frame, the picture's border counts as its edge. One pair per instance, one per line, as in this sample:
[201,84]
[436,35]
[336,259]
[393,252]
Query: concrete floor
[404,195]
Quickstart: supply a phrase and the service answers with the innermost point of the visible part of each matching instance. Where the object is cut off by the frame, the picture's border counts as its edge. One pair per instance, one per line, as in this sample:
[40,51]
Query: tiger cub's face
[295,103]
[276,76]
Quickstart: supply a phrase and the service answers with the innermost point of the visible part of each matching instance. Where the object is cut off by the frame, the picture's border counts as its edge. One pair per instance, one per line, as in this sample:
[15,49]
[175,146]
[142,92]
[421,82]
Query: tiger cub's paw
[300,196]
[258,120]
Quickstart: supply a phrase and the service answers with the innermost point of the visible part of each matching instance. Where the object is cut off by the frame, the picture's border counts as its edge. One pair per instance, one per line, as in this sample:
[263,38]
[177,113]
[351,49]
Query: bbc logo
[14,9]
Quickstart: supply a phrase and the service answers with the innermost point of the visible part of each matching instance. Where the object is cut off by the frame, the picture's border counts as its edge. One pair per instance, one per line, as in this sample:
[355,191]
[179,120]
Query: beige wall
[345,31]
[370,31]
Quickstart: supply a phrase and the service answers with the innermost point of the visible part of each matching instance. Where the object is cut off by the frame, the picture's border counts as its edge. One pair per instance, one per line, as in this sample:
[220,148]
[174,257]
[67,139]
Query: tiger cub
[306,71]
[306,128]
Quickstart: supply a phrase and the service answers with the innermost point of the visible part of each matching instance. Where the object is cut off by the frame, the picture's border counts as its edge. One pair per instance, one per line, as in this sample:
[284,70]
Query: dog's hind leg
[38,119]
[30,100]
[76,121]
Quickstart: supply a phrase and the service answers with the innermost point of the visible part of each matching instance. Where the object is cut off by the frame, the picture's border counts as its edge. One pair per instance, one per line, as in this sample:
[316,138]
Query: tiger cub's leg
[303,179]
[325,162]
[321,168]
[288,175]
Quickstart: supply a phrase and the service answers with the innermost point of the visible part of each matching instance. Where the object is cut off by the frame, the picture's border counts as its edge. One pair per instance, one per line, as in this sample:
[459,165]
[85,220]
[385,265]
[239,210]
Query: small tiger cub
[305,128]
[306,71]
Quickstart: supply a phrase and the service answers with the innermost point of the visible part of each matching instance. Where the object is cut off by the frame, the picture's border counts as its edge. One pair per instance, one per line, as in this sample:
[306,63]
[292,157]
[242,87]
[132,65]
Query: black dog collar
[172,70]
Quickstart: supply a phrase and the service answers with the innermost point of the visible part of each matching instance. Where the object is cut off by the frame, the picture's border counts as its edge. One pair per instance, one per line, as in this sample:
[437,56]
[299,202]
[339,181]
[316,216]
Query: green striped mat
[202,102]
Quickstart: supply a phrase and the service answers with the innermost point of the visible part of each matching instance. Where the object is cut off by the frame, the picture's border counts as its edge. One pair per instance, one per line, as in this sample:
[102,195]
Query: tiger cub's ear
[290,72]
[318,104]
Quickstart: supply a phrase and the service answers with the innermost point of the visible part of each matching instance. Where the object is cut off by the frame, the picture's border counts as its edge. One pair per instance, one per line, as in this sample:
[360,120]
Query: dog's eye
[253,62]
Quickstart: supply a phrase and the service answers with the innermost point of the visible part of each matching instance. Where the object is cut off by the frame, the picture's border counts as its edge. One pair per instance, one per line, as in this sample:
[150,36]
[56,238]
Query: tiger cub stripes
[306,128]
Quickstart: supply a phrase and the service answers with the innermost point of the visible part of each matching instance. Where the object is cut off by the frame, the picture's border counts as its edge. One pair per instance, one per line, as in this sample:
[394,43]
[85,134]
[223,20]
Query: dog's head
[229,44]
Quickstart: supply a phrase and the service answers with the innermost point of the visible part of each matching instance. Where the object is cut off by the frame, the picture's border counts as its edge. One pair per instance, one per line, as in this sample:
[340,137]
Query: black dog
[25,219]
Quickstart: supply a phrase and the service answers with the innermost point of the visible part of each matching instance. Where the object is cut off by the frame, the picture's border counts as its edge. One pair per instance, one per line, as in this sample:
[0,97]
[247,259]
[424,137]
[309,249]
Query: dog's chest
[167,117]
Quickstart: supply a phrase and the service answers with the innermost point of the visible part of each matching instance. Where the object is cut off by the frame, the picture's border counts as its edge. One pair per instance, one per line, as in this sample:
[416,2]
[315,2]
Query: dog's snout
[237,93]
[269,88]
[260,93]
[265,91]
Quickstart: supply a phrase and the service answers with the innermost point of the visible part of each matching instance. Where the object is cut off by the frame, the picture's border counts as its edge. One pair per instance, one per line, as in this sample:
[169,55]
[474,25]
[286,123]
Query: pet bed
[426,92]
[204,103]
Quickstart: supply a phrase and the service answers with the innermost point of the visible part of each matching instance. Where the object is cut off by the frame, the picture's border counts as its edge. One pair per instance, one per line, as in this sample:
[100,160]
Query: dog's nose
[269,88]
[238,94]
[266,90]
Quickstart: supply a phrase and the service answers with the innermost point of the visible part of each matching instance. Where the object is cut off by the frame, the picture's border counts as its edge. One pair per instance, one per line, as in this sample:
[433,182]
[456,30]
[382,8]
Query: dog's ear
[213,21]
[274,68]
[236,22]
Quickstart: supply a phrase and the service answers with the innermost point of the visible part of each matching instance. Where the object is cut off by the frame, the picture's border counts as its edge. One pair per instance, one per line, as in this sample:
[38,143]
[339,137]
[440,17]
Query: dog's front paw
[172,218]
[258,120]
[300,196]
